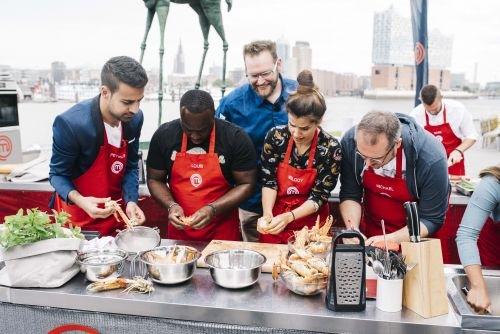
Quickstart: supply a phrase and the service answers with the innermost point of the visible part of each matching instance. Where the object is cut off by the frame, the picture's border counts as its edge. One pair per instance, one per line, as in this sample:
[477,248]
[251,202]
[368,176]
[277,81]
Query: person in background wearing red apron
[300,166]
[201,169]
[95,150]
[481,221]
[389,159]
[450,122]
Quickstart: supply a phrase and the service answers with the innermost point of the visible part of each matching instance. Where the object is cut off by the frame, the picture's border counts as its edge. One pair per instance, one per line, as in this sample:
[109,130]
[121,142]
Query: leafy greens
[36,225]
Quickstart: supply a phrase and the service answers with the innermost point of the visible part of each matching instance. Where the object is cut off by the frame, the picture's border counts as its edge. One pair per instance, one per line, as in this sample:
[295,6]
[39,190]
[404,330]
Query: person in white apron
[450,122]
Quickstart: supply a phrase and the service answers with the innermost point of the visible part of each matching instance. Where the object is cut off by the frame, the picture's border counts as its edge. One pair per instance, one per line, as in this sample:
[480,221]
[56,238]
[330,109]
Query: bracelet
[293,215]
[171,206]
[462,153]
[214,209]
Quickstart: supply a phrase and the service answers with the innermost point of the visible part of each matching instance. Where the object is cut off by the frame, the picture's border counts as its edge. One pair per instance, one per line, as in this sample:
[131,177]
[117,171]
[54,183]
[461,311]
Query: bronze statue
[209,15]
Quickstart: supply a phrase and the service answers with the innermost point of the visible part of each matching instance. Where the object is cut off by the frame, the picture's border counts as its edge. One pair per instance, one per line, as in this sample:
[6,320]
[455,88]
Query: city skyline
[85,34]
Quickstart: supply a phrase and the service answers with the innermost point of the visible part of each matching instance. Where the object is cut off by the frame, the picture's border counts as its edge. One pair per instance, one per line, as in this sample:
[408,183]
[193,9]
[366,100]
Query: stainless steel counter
[266,304]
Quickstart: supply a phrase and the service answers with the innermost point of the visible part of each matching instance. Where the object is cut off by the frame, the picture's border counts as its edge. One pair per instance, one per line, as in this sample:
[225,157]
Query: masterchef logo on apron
[292,191]
[196,180]
[117,167]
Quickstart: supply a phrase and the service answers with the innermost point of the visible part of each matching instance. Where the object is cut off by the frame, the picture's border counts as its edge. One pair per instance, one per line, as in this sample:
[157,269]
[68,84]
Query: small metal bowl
[169,273]
[235,268]
[101,264]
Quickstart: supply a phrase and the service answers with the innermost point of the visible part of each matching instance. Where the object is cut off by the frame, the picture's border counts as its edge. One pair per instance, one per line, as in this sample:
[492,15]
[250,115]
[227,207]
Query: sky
[85,33]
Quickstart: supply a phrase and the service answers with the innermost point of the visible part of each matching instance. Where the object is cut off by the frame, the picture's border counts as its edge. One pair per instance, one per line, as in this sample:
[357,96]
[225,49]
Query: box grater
[346,285]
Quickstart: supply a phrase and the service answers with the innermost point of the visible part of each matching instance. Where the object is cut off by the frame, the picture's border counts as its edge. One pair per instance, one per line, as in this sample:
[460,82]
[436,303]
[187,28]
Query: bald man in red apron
[192,185]
[191,181]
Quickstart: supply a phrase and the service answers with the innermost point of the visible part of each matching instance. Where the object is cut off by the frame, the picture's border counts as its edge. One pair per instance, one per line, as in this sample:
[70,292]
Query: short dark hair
[197,101]
[428,94]
[123,69]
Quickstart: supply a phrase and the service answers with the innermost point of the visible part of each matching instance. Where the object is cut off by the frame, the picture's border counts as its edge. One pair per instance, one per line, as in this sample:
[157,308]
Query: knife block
[424,287]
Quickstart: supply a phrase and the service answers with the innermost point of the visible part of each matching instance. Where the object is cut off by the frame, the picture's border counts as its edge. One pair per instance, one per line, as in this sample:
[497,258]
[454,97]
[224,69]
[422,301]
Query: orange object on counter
[391,245]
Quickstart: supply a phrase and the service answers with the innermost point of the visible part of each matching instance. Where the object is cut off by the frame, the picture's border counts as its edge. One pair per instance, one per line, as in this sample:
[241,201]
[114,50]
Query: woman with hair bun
[300,166]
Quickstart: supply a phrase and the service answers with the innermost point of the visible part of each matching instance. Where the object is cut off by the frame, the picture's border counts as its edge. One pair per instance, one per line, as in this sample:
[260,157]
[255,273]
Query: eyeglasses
[264,75]
[379,160]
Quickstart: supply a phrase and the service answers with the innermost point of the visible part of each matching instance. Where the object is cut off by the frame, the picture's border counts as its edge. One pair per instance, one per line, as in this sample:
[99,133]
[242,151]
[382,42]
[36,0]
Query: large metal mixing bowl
[169,273]
[235,268]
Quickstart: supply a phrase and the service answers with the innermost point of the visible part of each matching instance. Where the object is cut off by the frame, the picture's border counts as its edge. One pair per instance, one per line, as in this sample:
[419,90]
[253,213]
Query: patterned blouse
[326,161]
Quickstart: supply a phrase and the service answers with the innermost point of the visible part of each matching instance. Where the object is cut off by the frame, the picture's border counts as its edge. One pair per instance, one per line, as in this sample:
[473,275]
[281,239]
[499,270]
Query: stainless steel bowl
[169,273]
[235,268]
[138,239]
[101,264]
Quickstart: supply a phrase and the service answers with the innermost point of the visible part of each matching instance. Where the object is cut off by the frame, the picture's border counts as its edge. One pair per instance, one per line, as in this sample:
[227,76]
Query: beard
[266,89]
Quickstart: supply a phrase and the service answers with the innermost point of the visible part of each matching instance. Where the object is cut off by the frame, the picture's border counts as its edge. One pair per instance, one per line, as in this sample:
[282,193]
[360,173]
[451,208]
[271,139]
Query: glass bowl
[296,284]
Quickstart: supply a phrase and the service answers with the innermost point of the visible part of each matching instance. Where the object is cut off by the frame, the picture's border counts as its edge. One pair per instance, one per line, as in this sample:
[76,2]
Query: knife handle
[416,221]
[409,220]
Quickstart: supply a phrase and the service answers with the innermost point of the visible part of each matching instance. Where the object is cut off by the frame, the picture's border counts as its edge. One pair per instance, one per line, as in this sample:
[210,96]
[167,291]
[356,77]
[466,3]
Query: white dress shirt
[457,116]
[114,134]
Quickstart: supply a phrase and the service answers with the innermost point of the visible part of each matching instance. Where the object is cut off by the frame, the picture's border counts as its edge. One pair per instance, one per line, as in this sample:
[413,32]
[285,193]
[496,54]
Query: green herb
[466,185]
[36,225]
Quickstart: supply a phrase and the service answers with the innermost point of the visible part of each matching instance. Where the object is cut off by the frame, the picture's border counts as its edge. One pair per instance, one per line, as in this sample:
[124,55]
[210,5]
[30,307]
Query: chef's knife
[409,220]
[416,221]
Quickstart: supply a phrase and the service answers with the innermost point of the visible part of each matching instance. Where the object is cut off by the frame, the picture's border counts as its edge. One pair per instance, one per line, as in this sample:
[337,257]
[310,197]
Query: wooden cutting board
[270,251]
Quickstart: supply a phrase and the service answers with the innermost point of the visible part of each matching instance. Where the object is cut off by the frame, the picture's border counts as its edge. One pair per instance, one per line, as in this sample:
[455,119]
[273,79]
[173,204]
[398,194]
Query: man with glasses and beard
[257,106]
[388,159]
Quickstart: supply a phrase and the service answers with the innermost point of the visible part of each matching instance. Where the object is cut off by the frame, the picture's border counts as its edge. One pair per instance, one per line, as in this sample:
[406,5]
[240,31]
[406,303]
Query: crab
[118,213]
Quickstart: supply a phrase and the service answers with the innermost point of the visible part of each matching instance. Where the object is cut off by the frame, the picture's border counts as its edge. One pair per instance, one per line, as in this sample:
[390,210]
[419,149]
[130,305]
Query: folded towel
[33,171]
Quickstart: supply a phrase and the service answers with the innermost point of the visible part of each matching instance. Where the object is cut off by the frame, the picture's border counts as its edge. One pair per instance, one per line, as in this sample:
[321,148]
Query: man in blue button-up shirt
[256,107]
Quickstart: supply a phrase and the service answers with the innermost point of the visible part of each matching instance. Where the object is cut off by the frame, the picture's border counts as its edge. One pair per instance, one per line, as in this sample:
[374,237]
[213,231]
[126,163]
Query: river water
[342,112]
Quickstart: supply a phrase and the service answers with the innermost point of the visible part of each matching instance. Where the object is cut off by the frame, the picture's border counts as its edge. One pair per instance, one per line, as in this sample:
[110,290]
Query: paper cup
[389,294]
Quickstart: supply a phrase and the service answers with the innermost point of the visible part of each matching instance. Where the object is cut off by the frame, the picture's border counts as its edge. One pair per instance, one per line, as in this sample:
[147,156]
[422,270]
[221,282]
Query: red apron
[195,181]
[488,243]
[102,179]
[449,140]
[294,185]
[383,199]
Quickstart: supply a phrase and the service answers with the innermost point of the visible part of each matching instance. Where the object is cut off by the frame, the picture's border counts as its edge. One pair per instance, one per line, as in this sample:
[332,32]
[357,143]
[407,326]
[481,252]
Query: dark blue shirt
[256,116]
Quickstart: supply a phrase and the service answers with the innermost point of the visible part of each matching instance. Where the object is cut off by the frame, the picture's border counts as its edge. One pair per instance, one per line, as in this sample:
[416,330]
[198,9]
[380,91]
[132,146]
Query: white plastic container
[389,294]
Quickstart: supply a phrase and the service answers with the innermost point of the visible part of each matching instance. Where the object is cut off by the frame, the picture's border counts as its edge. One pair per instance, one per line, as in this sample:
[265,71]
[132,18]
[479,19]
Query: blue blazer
[78,133]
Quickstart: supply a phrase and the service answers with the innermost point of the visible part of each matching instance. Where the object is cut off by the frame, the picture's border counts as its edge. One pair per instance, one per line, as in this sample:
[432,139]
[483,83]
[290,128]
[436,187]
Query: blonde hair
[257,47]
[492,170]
